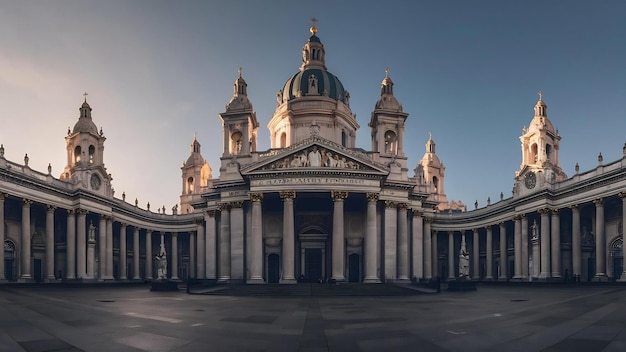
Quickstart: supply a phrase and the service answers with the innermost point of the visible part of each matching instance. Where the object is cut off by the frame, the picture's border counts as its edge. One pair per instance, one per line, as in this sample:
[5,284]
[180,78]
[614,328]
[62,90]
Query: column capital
[502,224]
[71,212]
[620,194]
[237,204]
[27,202]
[428,220]
[475,230]
[82,212]
[255,196]
[211,213]
[574,207]
[338,195]
[2,196]
[391,204]
[123,224]
[223,206]
[487,227]
[51,207]
[416,213]
[372,197]
[598,202]
[555,212]
[403,205]
[287,195]
[199,221]
[174,234]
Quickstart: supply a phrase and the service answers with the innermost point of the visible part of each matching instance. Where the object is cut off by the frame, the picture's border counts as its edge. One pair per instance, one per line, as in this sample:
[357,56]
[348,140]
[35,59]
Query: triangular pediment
[315,154]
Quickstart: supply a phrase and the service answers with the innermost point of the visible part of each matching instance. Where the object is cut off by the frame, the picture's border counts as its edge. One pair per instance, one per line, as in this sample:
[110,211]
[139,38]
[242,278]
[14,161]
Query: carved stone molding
[620,194]
[574,207]
[236,204]
[339,195]
[2,196]
[27,202]
[555,211]
[51,207]
[403,205]
[255,196]
[372,197]
[417,213]
[223,206]
[285,195]
[211,213]
[598,202]
[391,204]
[85,212]
[71,212]
[199,221]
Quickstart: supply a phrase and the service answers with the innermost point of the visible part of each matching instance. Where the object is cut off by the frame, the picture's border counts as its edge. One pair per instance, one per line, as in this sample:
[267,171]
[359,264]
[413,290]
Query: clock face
[95,182]
[530,180]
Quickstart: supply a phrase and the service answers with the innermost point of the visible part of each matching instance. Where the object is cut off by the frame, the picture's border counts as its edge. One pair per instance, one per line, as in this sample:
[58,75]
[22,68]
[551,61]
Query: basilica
[313,206]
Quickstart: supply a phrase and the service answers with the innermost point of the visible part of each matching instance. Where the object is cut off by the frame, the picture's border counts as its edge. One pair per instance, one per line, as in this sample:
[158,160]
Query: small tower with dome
[540,151]
[85,154]
[240,125]
[196,177]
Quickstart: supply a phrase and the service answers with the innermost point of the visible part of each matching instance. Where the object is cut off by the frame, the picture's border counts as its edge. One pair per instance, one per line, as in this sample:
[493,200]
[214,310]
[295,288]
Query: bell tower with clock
[387,125]
[85,155]
[540,153]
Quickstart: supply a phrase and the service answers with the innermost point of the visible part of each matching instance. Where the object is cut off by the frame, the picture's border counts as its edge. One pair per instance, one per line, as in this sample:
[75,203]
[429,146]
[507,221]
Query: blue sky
[159,71]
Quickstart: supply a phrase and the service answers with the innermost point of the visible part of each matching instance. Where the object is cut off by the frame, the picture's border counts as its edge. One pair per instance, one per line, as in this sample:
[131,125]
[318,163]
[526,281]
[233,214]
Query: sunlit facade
[313,206]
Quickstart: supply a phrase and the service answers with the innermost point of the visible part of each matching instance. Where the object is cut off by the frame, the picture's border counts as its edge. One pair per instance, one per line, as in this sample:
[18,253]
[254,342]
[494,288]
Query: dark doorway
[273,268]
[9,261]
[37,270]
[354,268]
[591,268]
[313,264]
[8,269]
[618,267]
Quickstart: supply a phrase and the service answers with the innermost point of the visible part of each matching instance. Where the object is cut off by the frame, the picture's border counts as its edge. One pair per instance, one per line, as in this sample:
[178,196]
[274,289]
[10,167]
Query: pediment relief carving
[314,157]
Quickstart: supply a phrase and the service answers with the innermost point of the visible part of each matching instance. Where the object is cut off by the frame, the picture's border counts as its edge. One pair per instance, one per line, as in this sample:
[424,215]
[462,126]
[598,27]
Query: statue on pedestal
[161,259]
[463,261]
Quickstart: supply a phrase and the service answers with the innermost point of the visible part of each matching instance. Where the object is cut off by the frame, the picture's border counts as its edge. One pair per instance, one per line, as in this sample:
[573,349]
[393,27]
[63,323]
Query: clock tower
[85,149]
[540,153]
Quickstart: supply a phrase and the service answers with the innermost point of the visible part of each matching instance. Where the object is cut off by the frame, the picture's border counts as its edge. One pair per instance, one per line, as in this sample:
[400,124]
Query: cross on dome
[540,95]
[313,29]
[85,95]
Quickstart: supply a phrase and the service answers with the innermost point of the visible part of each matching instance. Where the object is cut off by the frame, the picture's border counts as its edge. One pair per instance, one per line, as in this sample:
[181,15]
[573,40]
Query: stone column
[451,271]
[102,247]
[525,259]
[192,255]
[136,254]
[371,241]
[200,258]
[435,255]
[536,255]
[555,244]
[236,242]
[25,242]
[600,241]
[476,255]
[70,245]
[544,243]
[287,257]
[210,252]
[504,264]
[576,252]
[148,254]
[255,256]
[403,243]
[81,244]
[623,196]
[2,236]
[518,247]
[489,250]
[428,249]
[338,258]
[390,241]
[174,256]
[123,252]
[418,245]
[109,253]
[91,253]
[49,242]
[224,267]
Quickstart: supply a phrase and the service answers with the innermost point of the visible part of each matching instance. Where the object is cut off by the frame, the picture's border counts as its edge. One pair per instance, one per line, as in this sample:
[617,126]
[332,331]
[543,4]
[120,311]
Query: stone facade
[312,207]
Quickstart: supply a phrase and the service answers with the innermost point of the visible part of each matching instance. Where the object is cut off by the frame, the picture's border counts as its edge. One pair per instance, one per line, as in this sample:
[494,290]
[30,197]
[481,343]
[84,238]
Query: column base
[288,281]
[516,278]
[503,278]
[622,278]
[25,279]
[371,280]
[544,276]
[136,278]
[600,277]
[255,281]
[123,278]
[488,278]
[174,278]
[556,275]
[49,277]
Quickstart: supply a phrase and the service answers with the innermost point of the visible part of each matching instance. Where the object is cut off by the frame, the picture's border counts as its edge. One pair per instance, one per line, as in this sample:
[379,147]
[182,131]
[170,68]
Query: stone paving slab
[492,319]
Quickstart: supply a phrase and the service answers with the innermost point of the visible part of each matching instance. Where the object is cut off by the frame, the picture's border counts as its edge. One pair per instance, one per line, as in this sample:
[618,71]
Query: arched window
[390,142]
[236,142]
[548,151]
[533,153]
[283,140]
[343,138]
[436,183]
[190,185]
[77,152]
[92,152]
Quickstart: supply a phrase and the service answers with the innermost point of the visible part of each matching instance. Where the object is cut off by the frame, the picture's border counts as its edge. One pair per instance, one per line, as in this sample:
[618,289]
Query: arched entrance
[354,268]
[617,257]
[273,268]
[9,260]
[313,259]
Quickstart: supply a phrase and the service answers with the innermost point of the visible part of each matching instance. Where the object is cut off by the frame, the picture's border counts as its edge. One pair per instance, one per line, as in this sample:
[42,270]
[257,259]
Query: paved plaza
[494,318]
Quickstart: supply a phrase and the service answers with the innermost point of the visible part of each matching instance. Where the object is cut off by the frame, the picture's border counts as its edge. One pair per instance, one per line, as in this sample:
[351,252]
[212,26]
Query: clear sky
[159,71]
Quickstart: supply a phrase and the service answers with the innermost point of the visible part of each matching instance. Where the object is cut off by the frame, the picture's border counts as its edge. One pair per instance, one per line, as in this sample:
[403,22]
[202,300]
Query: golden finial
[313,29]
